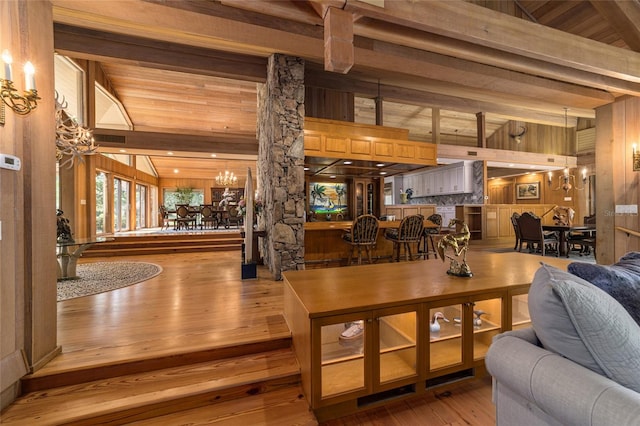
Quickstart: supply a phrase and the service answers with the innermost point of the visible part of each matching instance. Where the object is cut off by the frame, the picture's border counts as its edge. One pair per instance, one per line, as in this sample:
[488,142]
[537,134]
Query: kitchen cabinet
[397,353]
[455,178]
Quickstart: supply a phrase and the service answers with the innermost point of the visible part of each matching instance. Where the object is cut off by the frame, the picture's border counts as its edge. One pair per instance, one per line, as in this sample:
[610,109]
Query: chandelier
[228,179]
[567,181]
[72,140]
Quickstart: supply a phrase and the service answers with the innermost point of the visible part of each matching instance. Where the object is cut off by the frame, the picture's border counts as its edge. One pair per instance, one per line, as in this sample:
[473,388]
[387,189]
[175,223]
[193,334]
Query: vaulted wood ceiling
[192,68]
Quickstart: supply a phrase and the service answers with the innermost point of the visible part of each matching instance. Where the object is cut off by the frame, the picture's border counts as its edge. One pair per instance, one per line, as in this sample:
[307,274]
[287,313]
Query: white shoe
[354,331]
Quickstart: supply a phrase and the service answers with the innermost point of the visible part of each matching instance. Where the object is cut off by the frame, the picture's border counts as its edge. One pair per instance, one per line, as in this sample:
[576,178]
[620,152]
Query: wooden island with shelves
[396,354]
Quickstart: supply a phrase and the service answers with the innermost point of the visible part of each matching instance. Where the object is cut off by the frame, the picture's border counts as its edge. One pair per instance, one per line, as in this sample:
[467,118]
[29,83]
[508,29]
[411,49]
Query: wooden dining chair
[409,232]
[363,234]
[531,232]
[184,217]
[516,230]
[207,216]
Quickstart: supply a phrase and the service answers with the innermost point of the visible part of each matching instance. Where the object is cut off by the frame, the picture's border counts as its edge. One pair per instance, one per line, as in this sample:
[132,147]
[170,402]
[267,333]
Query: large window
[141,206]
[193,197]
[120,205]
[101,202]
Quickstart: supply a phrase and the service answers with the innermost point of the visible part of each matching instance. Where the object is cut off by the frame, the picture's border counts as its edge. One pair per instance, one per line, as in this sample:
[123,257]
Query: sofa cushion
[583,323]
[621,280]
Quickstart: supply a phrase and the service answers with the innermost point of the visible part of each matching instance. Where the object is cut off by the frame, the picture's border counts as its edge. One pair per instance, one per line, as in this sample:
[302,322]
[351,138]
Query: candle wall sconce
[20,104]
[636,159]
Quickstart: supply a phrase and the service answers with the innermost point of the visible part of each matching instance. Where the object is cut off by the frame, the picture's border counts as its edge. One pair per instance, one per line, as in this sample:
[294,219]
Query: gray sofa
[533,386]
[579,363]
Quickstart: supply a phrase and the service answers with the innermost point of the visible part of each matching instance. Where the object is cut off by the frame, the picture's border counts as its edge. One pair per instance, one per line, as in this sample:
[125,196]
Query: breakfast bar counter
[324,246]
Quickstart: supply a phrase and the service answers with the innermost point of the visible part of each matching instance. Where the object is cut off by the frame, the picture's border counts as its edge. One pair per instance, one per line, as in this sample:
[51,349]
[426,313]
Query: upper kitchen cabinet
[454,178]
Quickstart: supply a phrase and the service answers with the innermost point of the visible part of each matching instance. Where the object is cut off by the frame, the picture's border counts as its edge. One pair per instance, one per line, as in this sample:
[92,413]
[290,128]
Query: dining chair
[234,217]
[516,230]
[363,234]
[184,217]
[207,216]
[409,232]
[166,218]
[531,232]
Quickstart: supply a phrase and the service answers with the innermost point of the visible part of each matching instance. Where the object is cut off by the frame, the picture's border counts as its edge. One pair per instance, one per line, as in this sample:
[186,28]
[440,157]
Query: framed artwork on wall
[528,191]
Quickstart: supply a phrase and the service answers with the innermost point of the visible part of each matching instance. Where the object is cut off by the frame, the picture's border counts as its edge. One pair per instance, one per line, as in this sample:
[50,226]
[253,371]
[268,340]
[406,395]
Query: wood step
[145,395]
[280,407]
[137,251]
[81,366]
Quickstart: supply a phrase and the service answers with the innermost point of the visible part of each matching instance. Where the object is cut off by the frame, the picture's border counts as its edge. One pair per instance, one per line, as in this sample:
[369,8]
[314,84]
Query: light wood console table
[398,354]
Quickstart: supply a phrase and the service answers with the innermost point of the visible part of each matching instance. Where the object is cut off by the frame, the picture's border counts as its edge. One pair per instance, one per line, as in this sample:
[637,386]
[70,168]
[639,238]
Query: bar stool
[364,233]
[428,234]
[409,232]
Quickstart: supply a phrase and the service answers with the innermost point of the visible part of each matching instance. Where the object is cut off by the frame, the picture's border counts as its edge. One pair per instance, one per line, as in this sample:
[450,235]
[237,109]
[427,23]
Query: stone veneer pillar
[281,164]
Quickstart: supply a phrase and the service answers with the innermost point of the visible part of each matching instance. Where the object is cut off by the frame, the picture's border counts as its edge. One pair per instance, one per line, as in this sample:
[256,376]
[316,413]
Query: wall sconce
[636,159]
[20,104]
[567,181]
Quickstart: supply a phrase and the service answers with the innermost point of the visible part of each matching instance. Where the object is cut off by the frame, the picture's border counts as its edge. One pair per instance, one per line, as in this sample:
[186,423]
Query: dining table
[563,232]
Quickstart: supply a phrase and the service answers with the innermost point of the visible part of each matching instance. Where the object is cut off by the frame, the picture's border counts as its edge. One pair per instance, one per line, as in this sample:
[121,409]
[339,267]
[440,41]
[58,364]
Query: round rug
[100,277]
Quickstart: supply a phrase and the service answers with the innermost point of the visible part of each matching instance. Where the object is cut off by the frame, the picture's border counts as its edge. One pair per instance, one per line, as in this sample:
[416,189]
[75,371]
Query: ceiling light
[175,170]
[383,173]
[214,155]
[306,168]
[380,165]
[123,150]
[332,176]
[347,162]
[227,179]
[169,153]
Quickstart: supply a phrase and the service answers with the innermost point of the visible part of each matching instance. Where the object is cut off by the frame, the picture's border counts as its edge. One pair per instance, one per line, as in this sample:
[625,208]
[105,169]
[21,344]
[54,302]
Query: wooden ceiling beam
[419,63]
[101,46]
[413,38]
[624,18]
[411,96]
[216,142]
[481,26]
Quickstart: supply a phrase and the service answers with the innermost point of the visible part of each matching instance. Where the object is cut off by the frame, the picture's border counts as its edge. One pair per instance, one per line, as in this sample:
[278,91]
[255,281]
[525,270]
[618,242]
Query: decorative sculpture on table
[458,243]
[64,230]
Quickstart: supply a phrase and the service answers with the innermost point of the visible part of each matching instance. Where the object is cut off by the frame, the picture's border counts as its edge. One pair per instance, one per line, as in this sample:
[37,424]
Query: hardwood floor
[197,307]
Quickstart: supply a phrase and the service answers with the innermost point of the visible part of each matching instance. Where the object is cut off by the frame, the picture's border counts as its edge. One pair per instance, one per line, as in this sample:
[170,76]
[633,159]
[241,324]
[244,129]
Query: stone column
[281,164]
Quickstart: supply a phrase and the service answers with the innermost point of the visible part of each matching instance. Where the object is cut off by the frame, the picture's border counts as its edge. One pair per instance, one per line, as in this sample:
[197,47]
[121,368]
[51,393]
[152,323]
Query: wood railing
[628,231]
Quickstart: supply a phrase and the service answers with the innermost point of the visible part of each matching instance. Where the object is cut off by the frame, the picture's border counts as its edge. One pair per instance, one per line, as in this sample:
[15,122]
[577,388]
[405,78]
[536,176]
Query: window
[101,202]
[141,206]
[191,196]
[120,205]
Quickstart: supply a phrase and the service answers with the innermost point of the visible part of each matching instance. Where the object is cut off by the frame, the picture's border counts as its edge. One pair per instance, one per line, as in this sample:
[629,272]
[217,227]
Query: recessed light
[383,173]
[169,153]
[380,165]
[175,170]
[123,150]
[348,162]
[332,176]
[214,155]
[511,165]
[306,168]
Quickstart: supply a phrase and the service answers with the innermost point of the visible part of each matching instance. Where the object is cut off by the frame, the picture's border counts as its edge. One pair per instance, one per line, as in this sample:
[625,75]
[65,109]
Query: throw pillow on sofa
[621,280]
[583,323]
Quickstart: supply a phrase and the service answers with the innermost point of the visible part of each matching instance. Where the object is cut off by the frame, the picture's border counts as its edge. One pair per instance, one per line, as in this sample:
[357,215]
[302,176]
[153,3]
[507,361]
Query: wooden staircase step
[166,244]
[280,407]
[102,252]
[78,366]
[141,396]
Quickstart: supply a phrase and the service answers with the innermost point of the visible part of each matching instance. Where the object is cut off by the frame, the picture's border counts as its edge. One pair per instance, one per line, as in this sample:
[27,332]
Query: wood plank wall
[27,247]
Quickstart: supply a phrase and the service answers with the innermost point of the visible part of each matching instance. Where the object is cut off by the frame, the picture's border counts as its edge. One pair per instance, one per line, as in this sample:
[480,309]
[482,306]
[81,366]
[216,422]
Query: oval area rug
[100,277]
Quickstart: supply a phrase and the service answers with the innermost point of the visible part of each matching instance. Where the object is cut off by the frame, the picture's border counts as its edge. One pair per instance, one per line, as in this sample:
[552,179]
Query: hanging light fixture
[567,181]
[228,179]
